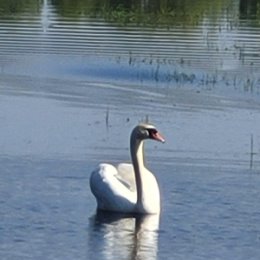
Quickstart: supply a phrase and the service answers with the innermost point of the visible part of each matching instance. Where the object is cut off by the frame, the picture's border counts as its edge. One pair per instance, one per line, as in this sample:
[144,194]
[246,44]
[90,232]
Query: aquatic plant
[143,13]
[8,7]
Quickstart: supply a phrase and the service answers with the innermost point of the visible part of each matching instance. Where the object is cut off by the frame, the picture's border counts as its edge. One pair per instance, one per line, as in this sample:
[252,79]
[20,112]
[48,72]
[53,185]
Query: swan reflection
[120,236]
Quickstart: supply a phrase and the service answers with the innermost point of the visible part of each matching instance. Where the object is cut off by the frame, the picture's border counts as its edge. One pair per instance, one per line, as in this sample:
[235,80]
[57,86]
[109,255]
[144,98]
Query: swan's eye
[146,133]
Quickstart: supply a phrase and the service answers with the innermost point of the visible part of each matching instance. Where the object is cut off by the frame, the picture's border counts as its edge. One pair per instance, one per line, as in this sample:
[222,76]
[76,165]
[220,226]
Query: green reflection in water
[13,7]
[139,12]
[151,12]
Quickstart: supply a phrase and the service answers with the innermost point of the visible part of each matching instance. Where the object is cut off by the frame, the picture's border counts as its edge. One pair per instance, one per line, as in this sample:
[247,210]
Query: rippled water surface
[76,76]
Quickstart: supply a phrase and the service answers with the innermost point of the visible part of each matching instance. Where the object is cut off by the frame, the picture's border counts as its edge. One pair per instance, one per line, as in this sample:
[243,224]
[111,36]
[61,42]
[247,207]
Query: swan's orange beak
[158,137]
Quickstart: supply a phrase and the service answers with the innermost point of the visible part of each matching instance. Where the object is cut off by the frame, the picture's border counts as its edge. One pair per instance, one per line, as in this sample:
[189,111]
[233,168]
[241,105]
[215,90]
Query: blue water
[71,90]
[48,212]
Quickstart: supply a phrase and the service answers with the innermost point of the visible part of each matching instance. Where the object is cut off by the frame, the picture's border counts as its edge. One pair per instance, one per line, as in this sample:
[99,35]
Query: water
[75,79]
[47,212]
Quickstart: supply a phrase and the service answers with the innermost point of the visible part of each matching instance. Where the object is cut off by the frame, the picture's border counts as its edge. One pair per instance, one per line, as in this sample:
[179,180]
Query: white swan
[129,188]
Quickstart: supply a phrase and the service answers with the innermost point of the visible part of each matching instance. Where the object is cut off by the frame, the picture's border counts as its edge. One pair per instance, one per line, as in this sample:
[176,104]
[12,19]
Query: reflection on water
[136,11]
[116,236]
[196,43]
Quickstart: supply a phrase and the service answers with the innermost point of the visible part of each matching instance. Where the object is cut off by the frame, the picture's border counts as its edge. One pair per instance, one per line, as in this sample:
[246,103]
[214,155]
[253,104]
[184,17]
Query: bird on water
[129,188]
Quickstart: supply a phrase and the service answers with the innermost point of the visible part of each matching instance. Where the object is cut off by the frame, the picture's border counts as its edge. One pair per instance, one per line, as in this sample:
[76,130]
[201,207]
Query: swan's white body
[128,188]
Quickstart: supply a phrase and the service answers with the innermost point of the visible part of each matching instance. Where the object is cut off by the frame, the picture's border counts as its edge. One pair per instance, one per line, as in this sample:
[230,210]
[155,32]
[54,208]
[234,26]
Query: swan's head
[147,131]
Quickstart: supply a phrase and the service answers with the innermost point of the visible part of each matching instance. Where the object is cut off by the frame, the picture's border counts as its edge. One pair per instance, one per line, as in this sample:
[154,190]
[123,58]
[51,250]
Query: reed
[107,118]
[252,153]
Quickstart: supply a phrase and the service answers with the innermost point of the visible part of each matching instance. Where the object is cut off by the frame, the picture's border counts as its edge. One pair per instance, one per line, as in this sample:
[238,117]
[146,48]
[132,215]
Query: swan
[129,188]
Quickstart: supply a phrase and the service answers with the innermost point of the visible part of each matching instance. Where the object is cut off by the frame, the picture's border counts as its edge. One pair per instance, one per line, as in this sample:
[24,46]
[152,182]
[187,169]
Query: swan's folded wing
[126,175]
[110,192]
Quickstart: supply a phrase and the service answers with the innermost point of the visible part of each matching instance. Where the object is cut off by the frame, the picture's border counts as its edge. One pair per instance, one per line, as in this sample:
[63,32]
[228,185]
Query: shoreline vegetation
[232,63]
[143,13]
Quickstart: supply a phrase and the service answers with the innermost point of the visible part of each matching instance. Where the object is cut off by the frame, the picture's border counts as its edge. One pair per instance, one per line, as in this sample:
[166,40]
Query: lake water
[75,78]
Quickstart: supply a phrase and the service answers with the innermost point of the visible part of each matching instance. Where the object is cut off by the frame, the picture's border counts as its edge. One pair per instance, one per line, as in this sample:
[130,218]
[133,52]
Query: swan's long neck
[137,147]
[148,195]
